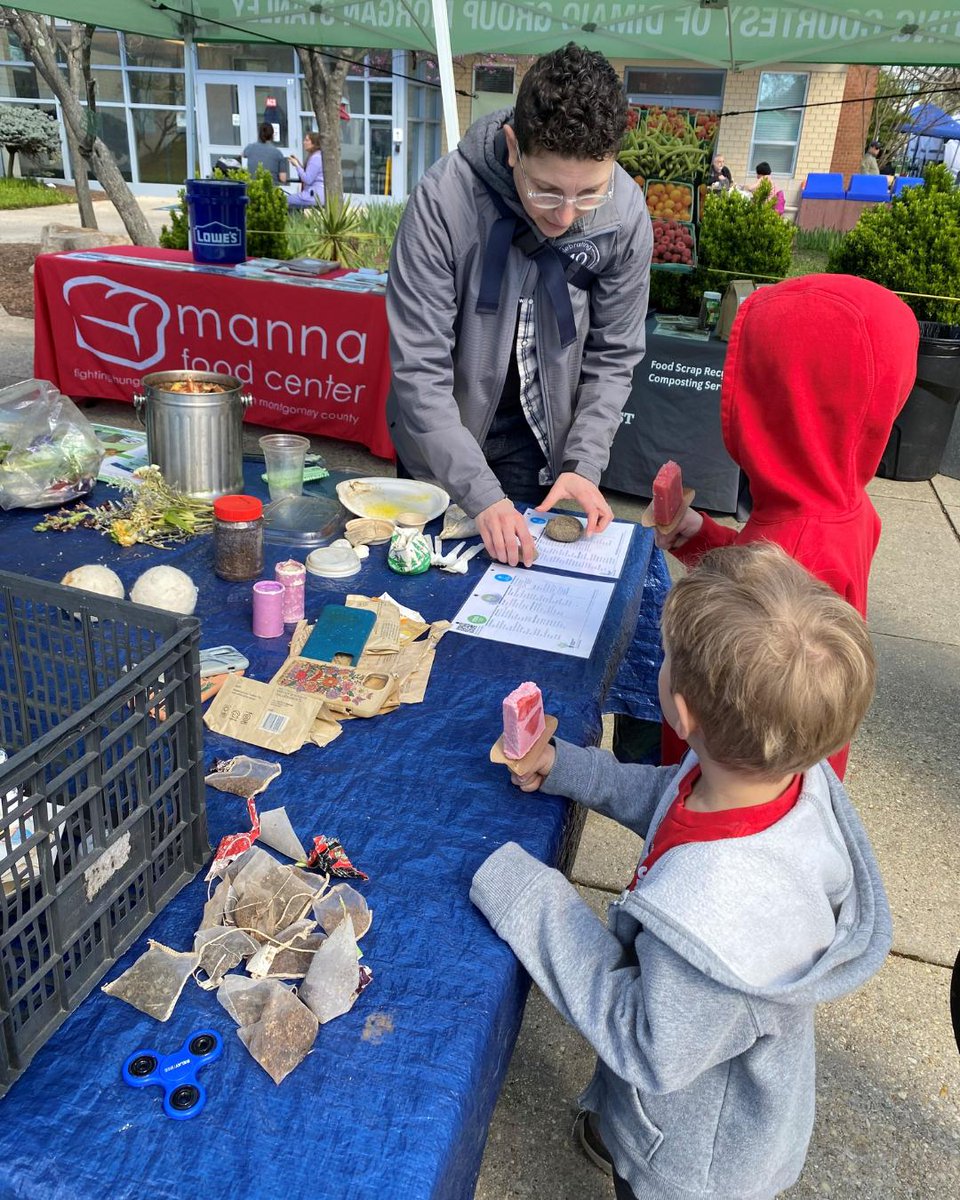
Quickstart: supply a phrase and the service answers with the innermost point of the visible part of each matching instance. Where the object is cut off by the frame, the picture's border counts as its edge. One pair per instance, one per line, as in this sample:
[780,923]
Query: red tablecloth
[314,359]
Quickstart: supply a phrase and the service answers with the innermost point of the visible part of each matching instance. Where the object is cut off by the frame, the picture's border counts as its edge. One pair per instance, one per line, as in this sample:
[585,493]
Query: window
[776,133]
[423,116]
[672,88]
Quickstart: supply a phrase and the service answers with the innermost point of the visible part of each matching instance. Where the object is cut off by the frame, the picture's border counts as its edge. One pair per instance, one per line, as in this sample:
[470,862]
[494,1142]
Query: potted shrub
[912,246]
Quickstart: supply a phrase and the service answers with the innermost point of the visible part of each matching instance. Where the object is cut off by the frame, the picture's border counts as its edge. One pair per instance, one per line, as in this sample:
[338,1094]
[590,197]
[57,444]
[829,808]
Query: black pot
[920,433]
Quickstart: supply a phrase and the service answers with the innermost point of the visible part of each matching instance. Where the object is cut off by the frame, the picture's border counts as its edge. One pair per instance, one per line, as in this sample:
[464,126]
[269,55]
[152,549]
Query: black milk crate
[102,816]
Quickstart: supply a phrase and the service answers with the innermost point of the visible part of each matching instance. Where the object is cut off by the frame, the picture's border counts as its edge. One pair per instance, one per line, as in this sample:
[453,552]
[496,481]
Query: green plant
[335,231]
[817,241]
[26,193]
[266,217]
[912,246]
[177,237]
[742,237]
[28,130]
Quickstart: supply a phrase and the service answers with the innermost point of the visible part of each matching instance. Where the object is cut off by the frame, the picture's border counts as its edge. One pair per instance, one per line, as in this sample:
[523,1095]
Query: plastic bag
[49,453]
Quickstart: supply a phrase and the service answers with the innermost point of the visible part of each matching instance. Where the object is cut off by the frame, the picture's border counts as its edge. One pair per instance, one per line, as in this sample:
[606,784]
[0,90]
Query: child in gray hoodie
[757,898]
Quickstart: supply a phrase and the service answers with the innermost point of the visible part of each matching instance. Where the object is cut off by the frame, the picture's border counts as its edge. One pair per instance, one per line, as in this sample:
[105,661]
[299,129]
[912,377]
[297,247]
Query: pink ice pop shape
[667,493]
[523,720]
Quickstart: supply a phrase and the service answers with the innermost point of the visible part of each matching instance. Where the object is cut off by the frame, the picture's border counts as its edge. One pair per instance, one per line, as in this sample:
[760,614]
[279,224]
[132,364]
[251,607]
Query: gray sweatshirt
[450,362]
[699,994]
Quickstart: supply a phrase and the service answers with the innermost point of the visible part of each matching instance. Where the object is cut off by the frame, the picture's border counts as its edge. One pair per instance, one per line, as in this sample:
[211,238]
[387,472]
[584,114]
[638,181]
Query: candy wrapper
[330,858]
[235,844]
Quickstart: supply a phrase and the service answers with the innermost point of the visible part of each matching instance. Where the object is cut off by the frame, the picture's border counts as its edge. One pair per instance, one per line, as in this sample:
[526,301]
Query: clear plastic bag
[49,453]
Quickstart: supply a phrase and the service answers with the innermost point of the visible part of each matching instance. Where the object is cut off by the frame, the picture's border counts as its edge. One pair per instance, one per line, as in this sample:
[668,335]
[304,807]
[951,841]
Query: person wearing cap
[869,164]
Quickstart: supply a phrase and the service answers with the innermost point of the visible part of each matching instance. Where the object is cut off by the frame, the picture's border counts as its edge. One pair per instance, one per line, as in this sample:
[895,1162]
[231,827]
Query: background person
[310,174]
[264,153]
[718,174]
[869,164]
[516,299]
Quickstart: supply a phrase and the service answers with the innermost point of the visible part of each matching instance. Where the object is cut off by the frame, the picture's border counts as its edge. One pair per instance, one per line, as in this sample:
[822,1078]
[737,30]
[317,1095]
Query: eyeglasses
[584,203]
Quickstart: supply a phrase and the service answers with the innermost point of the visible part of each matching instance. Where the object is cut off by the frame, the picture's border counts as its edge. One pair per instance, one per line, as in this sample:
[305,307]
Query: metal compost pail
[195,438]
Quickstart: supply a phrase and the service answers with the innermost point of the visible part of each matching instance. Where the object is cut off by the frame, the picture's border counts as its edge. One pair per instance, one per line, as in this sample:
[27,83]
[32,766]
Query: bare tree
[37,43]
[899,91]
[325,77]
[77,50]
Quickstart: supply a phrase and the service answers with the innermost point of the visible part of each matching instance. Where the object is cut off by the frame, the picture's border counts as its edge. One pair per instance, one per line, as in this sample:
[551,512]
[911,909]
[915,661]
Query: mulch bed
[16,282]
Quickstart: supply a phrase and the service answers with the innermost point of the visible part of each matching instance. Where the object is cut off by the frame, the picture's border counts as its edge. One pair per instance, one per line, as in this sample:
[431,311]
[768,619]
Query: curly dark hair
[571,103]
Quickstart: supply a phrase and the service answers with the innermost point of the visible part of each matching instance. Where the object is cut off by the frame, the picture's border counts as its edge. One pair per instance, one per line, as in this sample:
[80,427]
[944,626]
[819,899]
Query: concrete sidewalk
[888,1125]
[26,224]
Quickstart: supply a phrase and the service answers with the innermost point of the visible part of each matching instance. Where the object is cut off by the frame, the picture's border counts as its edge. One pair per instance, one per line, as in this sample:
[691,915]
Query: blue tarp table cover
[395,1099]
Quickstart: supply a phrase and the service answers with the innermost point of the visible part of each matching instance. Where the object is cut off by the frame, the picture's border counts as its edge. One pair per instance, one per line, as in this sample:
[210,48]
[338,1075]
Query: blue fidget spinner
[176,1073]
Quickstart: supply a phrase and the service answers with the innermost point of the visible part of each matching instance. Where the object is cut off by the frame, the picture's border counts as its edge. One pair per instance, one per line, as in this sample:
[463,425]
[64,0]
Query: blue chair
[905,181]
[868,187]
[823,186]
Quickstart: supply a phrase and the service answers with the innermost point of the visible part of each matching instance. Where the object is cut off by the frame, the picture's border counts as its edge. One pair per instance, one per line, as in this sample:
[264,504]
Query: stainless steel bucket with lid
[195,438]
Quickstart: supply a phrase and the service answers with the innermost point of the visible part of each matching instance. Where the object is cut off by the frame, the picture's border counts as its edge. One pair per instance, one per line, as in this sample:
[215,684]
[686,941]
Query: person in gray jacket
[516,298]
[758,896]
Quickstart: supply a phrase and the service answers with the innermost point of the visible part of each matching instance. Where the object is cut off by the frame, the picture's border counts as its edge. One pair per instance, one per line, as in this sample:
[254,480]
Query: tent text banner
[741,35]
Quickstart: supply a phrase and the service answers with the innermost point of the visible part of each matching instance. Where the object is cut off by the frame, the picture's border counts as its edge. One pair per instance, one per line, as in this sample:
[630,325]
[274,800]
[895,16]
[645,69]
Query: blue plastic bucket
[218,220]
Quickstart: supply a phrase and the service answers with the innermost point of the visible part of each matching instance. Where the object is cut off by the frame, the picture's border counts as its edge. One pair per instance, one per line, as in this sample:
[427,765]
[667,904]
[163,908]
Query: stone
[564,529]
[56,238]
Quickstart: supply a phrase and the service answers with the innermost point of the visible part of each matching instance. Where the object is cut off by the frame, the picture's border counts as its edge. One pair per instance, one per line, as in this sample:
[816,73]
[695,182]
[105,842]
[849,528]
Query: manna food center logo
[117,323]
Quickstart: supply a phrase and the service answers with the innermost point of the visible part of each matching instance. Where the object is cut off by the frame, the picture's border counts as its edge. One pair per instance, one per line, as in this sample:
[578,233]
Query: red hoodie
[817,370]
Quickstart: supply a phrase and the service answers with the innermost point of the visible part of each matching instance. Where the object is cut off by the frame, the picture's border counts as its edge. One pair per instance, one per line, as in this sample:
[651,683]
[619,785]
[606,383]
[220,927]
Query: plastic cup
[284,454]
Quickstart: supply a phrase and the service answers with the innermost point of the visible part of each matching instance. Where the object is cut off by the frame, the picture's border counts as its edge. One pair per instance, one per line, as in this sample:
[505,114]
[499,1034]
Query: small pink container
[293,576]
[268,608]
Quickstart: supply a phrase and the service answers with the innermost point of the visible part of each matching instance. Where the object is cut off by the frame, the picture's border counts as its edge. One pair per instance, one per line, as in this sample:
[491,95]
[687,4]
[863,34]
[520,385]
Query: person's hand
[690,525]
[293,158]
[537,771]
[570,486]
[505,534]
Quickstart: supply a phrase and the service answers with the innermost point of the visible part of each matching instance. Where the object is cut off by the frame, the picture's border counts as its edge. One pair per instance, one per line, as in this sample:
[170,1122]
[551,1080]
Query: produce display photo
[667,151]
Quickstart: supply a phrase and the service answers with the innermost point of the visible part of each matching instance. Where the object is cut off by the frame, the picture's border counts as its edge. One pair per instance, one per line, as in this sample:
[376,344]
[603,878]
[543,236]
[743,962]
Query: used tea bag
[154,983]
[277,833]
[333,981]
[291,958]
[340,901]
[269,896]
[220,949]
[242,776]
[274,1026]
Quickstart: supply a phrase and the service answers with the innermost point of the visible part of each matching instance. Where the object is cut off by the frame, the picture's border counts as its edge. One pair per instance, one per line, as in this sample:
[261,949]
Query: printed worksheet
[126,449]
[602,554]
[536,610]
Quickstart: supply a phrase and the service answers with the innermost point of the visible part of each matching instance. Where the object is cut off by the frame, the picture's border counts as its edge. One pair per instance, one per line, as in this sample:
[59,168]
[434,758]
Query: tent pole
[190,88]
[441,32]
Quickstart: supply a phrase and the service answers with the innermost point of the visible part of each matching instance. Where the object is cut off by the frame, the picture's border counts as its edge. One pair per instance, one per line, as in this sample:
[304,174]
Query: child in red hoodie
[817,370]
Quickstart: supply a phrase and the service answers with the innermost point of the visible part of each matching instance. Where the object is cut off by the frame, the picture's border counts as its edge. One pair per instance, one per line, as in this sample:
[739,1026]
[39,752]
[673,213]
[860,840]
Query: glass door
[232,109]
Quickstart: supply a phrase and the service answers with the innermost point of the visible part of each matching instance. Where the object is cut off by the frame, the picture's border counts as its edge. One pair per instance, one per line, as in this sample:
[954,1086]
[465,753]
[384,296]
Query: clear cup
[284,454]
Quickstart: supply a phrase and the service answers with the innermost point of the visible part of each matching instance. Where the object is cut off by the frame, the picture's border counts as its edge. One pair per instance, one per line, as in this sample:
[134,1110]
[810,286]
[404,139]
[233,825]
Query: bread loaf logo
[118,324]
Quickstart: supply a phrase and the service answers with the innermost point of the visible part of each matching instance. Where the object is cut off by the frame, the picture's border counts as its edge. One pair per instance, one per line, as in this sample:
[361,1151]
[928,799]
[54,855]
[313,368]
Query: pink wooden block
[667,493]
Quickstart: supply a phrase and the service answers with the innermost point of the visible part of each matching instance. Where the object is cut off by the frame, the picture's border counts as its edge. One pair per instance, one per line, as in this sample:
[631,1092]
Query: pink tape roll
[268,608]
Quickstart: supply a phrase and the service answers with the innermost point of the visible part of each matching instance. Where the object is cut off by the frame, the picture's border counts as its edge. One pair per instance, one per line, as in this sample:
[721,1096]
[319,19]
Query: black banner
[674,412]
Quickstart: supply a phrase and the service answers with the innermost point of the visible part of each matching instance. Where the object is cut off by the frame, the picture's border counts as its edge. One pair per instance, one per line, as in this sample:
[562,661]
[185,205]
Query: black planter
[920,433]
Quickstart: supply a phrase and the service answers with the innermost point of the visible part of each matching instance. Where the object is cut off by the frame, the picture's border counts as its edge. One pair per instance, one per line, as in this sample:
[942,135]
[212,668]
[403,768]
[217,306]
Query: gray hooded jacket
[699,995]
[450,362]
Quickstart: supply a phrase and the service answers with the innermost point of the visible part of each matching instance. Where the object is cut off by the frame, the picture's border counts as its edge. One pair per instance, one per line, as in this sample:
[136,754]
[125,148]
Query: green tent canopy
[706,31]
[713,32]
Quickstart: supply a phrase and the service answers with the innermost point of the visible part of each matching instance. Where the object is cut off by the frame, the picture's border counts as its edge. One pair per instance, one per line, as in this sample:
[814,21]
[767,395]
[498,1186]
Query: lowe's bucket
[218,220]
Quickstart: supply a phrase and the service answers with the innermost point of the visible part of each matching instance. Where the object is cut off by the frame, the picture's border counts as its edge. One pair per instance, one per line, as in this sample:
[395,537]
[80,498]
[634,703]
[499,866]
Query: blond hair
[775,667]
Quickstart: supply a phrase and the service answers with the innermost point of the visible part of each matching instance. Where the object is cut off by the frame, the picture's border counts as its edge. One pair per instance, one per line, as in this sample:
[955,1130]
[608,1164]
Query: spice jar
[238,538]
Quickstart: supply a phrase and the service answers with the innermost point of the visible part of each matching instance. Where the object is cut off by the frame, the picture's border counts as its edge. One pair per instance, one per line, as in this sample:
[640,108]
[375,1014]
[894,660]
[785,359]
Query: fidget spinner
[176,1073]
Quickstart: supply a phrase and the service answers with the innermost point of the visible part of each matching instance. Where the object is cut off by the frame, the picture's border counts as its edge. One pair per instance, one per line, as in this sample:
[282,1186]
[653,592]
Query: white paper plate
[385,498]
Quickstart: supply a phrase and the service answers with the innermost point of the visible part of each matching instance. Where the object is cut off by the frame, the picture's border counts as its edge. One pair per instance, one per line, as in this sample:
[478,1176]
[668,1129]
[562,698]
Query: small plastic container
[293,576]
[238,538]
[268,608]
